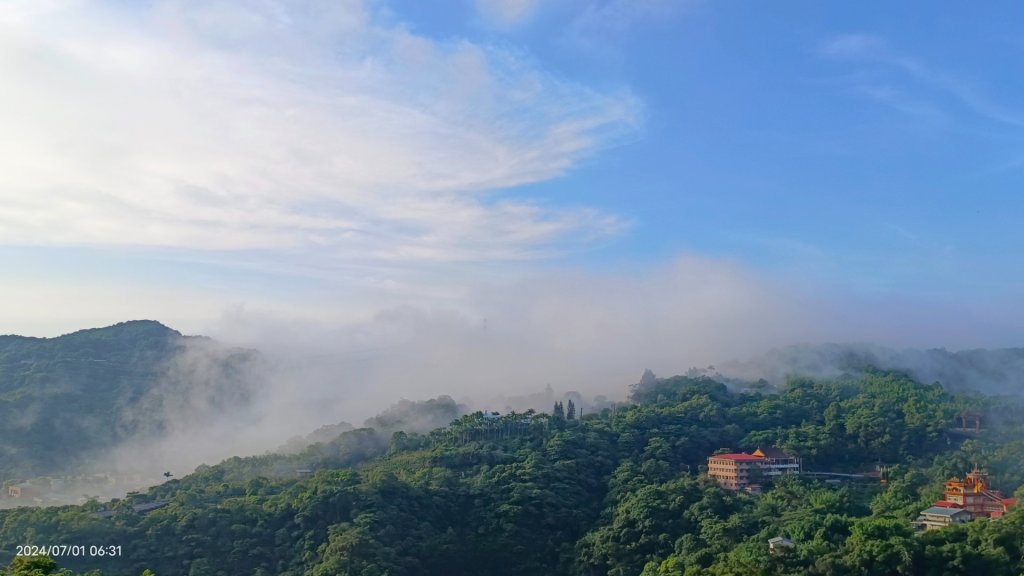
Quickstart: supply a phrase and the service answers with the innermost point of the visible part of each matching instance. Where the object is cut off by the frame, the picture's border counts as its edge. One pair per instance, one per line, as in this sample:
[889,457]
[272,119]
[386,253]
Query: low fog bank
[588,332]
[991,371]
[553,336]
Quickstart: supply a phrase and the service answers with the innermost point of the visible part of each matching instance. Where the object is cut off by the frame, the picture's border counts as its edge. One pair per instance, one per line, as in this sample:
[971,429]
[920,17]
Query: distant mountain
[64,400]
[993,371]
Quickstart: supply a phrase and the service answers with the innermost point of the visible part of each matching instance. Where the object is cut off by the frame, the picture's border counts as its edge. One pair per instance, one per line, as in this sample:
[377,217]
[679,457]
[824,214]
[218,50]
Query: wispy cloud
[598,22]
[506,13]
[300,126]
[852,46]
[893,97]
[592,26]
[870,49]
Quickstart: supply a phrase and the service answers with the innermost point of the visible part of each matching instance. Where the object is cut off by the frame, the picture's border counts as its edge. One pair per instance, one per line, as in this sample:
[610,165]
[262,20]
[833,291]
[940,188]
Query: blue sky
[877,146]
[873,146]
[195,162]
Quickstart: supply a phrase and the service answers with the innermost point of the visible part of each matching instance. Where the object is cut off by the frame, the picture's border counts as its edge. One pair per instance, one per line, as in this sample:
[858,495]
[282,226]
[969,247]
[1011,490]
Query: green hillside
[66,399]
[619,493]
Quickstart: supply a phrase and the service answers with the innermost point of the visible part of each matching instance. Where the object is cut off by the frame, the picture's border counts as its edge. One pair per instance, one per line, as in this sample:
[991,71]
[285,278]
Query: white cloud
[870,49]
[852,46]
[306,125]
[593,332]
[595,26]
[576,329]
[506,12]
[597,22]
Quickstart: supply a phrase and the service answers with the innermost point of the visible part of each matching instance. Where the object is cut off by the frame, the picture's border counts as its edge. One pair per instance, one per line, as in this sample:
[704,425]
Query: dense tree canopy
[617,493]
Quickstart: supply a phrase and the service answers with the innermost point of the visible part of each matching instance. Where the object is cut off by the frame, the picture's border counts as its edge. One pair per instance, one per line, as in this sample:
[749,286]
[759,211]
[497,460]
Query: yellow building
[735,471]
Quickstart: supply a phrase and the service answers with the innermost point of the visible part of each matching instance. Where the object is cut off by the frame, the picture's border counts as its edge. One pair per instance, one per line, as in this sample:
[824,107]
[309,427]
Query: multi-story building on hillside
[735,471]
[739,471]
[776,463]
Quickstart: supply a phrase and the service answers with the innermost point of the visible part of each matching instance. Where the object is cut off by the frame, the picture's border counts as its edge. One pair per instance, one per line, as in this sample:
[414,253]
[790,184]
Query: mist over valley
[138,399]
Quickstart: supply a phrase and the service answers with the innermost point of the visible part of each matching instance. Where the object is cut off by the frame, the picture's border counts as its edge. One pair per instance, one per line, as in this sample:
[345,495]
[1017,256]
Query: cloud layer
[308,125]
[916,87]
[506,12]
[574,329]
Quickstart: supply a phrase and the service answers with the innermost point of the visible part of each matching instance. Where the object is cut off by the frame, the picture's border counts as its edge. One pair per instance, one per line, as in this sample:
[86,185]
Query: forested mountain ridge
[988,370]
[617,493]
[65,399]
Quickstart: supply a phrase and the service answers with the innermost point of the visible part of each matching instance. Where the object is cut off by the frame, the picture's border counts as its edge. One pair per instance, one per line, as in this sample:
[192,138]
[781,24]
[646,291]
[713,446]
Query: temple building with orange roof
[975,495]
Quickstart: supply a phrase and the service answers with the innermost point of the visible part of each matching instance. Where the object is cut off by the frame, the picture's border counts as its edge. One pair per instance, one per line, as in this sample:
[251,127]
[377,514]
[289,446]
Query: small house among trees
[780,545]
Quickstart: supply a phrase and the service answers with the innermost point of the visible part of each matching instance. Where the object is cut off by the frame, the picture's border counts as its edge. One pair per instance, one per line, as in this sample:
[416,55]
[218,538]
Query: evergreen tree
[570,413]
[559,411]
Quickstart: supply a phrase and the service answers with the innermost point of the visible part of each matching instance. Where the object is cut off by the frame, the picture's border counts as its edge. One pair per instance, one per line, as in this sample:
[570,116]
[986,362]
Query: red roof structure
[743,457]
[975,495]
[739,471]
